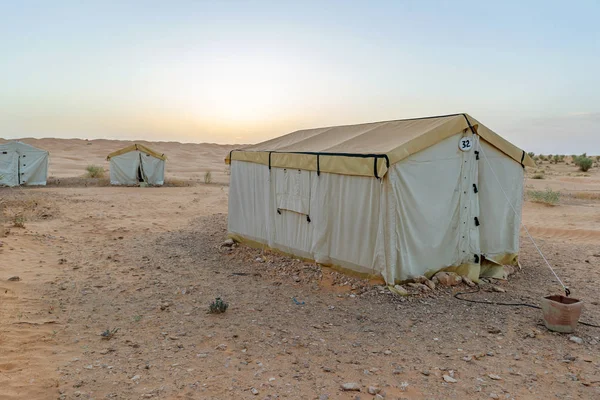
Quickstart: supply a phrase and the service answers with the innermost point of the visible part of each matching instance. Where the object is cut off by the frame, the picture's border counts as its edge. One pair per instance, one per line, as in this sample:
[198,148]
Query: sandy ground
[148,261]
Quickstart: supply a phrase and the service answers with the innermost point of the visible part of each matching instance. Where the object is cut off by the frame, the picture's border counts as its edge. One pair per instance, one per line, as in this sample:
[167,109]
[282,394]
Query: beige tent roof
[367,149]
[139,147]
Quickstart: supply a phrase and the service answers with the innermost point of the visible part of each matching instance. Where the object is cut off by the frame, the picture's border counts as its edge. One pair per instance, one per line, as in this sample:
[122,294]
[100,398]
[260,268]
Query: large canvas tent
[22,164]
[136,164]
[395,199]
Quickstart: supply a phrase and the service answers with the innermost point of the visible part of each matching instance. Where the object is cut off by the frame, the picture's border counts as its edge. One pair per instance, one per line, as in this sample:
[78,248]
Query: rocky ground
[146,263]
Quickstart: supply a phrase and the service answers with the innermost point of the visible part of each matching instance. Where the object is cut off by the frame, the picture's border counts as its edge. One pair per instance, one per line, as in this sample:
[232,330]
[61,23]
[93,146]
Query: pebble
[401,290]
[136,378]
[324,397]
[373,390]
[387,352]
[498,289]
[221,347]
[576,339]
[494,396]
[351,386]
[228,243]
[449,379]
[14,278]
[254,391]
[379,397]
[495,377]
[426,373]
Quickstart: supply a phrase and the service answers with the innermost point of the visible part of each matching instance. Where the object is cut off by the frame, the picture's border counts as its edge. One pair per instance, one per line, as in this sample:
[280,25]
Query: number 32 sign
[465,143]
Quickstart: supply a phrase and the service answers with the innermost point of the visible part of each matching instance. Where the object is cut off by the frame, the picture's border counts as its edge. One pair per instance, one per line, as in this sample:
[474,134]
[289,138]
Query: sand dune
[69,157]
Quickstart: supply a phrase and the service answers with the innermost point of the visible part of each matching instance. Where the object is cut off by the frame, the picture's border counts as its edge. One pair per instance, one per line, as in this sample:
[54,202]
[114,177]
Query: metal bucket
[561,313]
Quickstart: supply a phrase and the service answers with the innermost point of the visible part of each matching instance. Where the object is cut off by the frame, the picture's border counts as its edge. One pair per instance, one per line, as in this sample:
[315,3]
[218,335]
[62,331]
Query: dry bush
[19,221]
[173,182]
[538,176]
[549,197]
[208,177]
[94,171]
[586,195]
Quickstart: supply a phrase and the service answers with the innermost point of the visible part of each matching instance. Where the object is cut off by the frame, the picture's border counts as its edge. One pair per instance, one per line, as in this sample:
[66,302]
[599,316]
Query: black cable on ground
[497,303]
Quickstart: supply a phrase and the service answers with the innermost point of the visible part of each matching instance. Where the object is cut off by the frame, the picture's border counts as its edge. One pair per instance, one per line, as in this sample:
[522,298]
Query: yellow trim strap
[138,147]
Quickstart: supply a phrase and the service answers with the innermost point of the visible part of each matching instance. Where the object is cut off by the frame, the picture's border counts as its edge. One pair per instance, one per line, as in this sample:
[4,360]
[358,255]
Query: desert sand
[148,261]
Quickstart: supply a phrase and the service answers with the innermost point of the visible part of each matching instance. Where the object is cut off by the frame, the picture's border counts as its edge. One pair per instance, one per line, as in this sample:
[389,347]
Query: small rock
[378,397]
[498,289]
[136,378]
[14,278]
[201,355]
[373,390]
[254,391]
[351,386]
[576,339]
[400,290]
[494,396]
[467,358]
[430,284]
[449,379]
[327,369]
[494,331]
[420,279]
[494,377]
[296,278]
[324,397]
[426,373]
[448,278]
[228,243]
[387,352]
[259,259]
[221,347]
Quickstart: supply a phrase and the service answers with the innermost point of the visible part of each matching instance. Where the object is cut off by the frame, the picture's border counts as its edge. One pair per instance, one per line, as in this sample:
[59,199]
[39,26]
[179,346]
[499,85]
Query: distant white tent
[136,164]
[22,164]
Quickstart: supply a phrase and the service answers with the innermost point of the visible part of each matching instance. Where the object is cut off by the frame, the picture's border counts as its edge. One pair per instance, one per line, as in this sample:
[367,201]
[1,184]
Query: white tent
[137,164]
[22,164]
[393,199]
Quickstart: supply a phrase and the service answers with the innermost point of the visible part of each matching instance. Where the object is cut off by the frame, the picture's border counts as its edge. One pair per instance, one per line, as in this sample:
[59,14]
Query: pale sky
[246,71]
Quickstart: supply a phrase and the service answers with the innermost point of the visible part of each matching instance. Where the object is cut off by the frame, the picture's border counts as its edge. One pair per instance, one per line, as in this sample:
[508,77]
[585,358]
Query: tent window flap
[293,190]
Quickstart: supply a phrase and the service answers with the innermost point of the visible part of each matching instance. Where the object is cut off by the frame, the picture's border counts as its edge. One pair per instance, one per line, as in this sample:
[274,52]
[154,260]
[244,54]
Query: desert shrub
[586,195]
[94,171]
[556,159]
[548,196]
[208,177]
[531,154]
[543,157]
[583,162]
[538,176]
[218,306]
[19,221]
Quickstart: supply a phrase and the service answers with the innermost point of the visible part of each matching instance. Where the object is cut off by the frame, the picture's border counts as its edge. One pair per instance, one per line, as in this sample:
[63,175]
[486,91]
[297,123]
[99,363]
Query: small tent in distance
[135,165]
[22,164]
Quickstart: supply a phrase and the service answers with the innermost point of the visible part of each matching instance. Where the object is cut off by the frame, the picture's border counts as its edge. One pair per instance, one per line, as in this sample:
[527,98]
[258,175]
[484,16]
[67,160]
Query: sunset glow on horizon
[243,72]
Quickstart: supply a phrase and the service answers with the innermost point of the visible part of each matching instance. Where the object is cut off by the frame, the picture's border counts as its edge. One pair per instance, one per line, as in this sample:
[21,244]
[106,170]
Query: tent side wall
[500,226]
[123,169]
[309,216]
[9,167]
[34,166]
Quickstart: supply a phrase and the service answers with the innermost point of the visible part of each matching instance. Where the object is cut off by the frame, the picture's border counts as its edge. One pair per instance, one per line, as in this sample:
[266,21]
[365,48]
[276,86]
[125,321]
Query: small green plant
[109,334]
[19,221]
[531,154]
[218,306]
[549,197]
[137,318]
[94,171]
[208,177]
